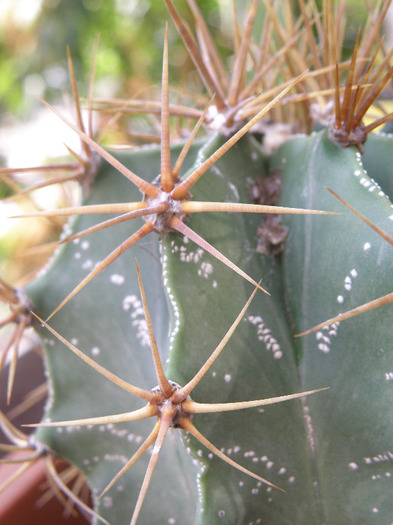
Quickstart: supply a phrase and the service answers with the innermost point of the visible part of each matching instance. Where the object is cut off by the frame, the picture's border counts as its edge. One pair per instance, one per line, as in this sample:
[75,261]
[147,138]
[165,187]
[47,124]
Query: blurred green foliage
[33,56]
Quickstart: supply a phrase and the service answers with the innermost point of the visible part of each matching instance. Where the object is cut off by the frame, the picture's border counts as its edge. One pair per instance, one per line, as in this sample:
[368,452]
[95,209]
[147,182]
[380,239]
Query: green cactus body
[328,269]
[331,451]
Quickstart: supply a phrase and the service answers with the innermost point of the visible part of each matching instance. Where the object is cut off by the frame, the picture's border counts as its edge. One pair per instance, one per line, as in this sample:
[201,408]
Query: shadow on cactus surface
[331,452]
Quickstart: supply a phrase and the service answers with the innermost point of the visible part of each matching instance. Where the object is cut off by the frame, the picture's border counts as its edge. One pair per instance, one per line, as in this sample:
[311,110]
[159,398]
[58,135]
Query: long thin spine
[163,382]
[165,423]
[166,174]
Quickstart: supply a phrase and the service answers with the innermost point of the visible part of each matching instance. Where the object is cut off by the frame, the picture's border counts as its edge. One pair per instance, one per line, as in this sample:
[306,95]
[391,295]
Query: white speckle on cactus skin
[131,302]
[264,334]
[117,279]
[128,301]
[324,348]
[380,458]
[88,264]
[227,378]
[107,502]
[71,430]
[324,335]
[249,454]
[348,283]
[348,279]
[205,270]
[195,256]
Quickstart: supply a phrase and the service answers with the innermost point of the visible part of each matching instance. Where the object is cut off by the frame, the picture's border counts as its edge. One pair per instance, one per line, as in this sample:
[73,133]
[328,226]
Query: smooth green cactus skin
[328,269]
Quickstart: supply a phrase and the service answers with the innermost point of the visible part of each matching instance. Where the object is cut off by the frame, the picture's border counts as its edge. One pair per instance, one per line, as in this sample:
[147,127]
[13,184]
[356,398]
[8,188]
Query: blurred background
[34,35]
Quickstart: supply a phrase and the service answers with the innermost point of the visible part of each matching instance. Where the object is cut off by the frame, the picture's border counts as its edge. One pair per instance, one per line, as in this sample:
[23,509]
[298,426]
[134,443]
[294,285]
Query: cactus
[323,261]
